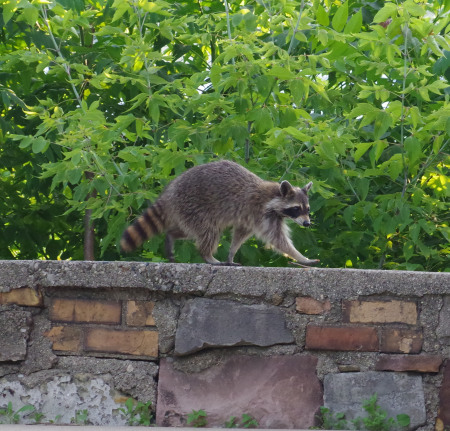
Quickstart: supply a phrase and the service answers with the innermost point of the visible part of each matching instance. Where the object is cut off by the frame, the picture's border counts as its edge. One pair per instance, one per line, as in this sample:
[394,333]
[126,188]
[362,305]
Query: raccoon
[206,199]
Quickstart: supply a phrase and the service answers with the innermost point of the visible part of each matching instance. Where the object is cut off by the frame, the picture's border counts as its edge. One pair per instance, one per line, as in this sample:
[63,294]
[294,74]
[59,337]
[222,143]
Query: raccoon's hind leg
[240,235]
[169,247]
[171,236]
[207,243]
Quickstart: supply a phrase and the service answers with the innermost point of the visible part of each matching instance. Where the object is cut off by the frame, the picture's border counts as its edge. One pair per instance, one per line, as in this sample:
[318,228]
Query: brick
[380,312]
[86,311]
[308,305]
[443,419]
[139,313]
[137,343]
[23,296]
[342,338]
[420,363]
[65,338]
[401,340]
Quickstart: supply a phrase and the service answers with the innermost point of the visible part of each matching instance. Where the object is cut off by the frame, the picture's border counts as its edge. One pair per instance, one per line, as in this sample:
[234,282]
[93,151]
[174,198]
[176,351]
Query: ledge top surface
[210,280]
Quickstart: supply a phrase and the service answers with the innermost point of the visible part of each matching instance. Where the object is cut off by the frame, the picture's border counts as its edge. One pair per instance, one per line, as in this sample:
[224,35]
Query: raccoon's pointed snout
[307,223]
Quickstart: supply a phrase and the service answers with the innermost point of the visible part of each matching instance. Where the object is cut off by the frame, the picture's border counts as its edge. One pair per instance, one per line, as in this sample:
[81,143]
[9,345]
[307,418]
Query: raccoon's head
[294,203]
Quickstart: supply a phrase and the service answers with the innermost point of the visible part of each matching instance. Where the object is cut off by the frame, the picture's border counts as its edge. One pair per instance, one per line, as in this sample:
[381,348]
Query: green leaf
[389,10]
[348,215]
[30,15]
[296,134]
[40,145]
[403,420]
[361,148]
[154,112]
[340,17]
[408,251]
[281,72]
[413,8]
[413,149]
[26,141]
[363,109]
[382,123]
[354,24]
[74,176]
[322,16]
[215,75]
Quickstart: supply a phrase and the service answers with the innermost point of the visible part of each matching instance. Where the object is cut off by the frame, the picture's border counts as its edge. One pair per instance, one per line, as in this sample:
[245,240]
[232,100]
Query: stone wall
[275,343]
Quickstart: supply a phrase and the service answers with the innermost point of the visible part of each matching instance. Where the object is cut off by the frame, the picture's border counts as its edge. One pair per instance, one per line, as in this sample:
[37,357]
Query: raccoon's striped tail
[150,223]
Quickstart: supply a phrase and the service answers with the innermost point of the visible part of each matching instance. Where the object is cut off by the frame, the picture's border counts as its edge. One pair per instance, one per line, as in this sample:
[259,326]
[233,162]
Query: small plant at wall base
[81,417]
[247,421]
[375,420]
[137,413]
[10,416]
[197,419]
[331,421]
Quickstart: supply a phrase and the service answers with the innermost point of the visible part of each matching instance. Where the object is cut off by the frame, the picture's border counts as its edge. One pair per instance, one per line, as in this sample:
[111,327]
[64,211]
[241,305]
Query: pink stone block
[278,391]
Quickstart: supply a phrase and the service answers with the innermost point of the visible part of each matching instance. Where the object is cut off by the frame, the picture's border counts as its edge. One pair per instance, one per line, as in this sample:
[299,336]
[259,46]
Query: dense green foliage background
[106,101]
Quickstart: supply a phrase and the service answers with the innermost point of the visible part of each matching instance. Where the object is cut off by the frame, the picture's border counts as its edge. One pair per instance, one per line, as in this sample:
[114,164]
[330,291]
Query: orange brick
[139,313]
[80,310]
[308,305]
[380,312]
[401,340]
[23,296]
[138,343]
[65,338]
[342,338]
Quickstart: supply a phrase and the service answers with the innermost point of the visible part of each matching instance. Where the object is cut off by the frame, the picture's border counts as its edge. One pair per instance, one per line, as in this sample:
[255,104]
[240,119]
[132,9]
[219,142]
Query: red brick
[86,311]
[401,340]
[308,305]
[139,313]
[23,296]
[420,363]
[351,338]
[380,312]
[65,338]
[138,343]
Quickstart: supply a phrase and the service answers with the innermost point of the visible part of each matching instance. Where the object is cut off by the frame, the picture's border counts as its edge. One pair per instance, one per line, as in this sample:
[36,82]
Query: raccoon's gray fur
[206,199]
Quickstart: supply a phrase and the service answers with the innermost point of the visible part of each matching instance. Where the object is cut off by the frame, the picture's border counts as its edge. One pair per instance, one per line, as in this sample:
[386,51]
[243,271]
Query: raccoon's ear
[285,188]
[307,187]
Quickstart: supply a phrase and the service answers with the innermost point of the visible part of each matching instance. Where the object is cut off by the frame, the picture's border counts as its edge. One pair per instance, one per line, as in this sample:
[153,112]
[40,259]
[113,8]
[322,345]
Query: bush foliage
[105,101]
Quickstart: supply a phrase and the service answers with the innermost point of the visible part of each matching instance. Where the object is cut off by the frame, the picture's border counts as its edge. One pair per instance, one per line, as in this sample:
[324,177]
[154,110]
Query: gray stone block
[277,391]
[15,326]
[218,323]
[443,329]
[397,393]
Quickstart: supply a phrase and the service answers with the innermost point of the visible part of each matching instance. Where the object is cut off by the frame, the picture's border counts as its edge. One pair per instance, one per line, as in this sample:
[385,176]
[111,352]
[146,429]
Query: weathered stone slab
[278,391]
[60,396]
[218,323]
[14,335]
[397,393]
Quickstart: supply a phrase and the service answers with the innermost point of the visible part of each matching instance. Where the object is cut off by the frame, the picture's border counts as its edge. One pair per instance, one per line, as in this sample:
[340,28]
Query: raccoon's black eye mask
[293,212]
